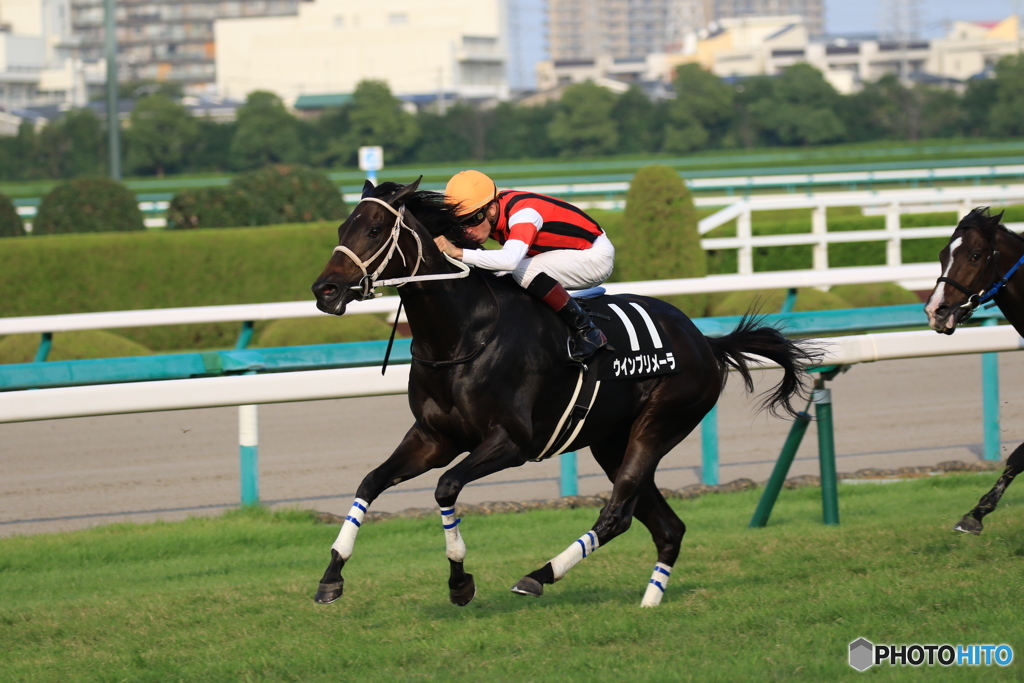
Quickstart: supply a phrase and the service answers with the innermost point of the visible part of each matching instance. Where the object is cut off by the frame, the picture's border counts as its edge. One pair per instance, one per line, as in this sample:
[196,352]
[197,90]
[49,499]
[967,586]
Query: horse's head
[377,241]
[970,263]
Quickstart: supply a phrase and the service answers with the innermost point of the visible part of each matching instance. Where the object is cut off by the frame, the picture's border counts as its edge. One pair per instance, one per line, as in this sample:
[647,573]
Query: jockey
[547,245]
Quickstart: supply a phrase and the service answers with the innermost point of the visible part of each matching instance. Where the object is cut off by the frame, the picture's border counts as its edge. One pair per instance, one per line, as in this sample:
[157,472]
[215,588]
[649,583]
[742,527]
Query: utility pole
[113,123]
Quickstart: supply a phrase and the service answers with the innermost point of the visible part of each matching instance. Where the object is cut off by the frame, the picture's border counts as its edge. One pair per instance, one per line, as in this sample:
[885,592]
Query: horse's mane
[982,218]
[430,209]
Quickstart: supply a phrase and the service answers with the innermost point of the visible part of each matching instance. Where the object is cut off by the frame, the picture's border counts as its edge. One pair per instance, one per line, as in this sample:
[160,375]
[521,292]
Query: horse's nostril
[326,290]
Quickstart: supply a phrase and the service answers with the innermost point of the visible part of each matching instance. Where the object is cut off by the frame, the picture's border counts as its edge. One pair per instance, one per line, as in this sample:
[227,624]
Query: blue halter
[986,295]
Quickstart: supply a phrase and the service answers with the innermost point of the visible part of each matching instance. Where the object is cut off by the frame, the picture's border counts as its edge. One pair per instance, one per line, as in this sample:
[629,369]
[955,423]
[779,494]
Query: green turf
[229,598]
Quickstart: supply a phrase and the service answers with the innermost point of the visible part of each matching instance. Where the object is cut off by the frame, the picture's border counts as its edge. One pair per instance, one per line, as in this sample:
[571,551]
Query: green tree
[376,117]
[160,131]
[72,145]
[458,134]
[977,105]
[520,132]
[583,124]
[660,238]
[637,120]
[801,110]
[702,112]
[325,138]
[265,133]
[1005,117]
[210,149]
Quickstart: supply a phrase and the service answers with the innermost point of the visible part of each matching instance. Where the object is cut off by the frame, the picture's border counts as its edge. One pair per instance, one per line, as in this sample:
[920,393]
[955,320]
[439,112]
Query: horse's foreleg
[971,522]
[495,453]
[417,453]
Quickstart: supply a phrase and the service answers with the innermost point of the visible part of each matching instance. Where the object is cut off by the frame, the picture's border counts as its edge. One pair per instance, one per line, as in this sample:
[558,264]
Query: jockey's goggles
[474,219]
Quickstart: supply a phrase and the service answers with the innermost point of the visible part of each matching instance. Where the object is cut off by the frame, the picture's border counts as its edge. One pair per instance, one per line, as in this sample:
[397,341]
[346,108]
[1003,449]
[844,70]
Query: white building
[456,47]
[38,60]
[756,46]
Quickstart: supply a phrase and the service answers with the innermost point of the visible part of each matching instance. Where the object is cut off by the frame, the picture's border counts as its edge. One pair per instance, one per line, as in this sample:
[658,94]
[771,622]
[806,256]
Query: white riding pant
[573,268]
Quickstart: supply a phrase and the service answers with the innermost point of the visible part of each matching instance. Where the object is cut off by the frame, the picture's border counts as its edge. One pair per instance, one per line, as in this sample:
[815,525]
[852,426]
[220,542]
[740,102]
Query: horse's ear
[997,219]
[367,188]
[406,190]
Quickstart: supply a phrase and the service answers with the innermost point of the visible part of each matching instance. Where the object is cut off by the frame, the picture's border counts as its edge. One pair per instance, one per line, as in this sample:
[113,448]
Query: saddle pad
[640,348]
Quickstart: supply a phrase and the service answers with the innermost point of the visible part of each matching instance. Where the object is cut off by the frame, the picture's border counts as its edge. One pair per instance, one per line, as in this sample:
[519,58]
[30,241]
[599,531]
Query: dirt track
[76,473]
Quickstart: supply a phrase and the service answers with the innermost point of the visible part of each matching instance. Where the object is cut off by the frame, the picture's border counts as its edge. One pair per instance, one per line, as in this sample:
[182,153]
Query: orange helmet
[467,191]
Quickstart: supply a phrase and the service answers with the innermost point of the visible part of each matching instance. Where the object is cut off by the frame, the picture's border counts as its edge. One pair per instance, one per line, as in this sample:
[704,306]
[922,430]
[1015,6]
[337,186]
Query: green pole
[709,447]
[990,400]
[790,302]
[245,336]
[569,482]
[113,125]
[782,465]
[45,343]
[822,398]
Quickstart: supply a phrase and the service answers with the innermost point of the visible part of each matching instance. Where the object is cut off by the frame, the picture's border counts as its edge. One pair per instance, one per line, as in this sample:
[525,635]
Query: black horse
[489,377]
[978,266]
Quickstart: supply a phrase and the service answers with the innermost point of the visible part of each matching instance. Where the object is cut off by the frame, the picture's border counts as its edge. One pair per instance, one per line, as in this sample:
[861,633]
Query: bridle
[369,282]
[974,300]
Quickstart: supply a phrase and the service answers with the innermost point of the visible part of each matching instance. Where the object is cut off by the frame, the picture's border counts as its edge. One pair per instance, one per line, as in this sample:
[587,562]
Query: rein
[369,282]
[473,354]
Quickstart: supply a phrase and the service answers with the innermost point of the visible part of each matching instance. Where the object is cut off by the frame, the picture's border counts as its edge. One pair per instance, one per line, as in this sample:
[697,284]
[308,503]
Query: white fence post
[745,254]
[819,226]
[893,254]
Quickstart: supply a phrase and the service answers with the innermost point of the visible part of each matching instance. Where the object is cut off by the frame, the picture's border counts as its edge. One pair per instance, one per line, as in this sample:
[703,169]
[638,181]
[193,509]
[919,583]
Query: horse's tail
[752,338]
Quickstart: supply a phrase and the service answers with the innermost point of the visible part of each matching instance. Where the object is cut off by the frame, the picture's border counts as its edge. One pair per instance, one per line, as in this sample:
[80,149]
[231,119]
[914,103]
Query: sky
[866,16]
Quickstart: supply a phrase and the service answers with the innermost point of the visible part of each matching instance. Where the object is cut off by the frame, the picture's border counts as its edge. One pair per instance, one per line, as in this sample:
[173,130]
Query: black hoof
[463,595]
[528,586]
[328,592]
[968,525]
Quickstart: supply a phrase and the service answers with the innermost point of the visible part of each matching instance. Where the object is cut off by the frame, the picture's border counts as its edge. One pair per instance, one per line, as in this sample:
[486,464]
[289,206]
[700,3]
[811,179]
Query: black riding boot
[585,339]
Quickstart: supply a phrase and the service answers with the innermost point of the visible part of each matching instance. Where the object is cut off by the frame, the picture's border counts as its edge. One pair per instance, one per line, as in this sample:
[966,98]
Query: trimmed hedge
[11,224]
[88,205]
[164,269]
[208,207]
[273,195]
[660,233]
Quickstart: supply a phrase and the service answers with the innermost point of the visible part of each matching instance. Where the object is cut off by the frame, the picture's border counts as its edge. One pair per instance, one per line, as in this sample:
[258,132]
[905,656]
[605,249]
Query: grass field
[228,599]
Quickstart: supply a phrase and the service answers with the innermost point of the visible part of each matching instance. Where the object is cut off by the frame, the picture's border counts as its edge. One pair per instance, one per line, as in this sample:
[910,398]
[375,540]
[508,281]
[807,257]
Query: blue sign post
[371,160]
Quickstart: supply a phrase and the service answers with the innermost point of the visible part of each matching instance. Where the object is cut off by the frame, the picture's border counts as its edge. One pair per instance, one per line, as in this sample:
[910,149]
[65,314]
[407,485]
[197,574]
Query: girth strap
[569,427]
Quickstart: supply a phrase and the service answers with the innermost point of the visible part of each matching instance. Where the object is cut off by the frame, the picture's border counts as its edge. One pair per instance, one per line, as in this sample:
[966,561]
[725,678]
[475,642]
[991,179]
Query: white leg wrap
[584,545]
[656,588]
[455,547]
[349,528]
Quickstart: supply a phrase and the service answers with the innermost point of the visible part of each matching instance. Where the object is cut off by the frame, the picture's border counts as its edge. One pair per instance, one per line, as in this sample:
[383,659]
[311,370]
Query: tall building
[166,40]
[623,29]
[812,11]
[444,47]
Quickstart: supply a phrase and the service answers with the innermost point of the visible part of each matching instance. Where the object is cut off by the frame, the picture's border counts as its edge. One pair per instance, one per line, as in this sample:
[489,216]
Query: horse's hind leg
[667,531]
[417,453]
[653,435]
[971,522]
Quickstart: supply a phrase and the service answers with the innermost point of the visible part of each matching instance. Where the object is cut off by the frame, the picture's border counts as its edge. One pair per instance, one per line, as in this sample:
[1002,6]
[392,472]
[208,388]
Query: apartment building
[166,40]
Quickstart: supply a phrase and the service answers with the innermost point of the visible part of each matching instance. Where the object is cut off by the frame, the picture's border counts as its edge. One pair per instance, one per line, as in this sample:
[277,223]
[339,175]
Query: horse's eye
[975,257]
[374,232]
